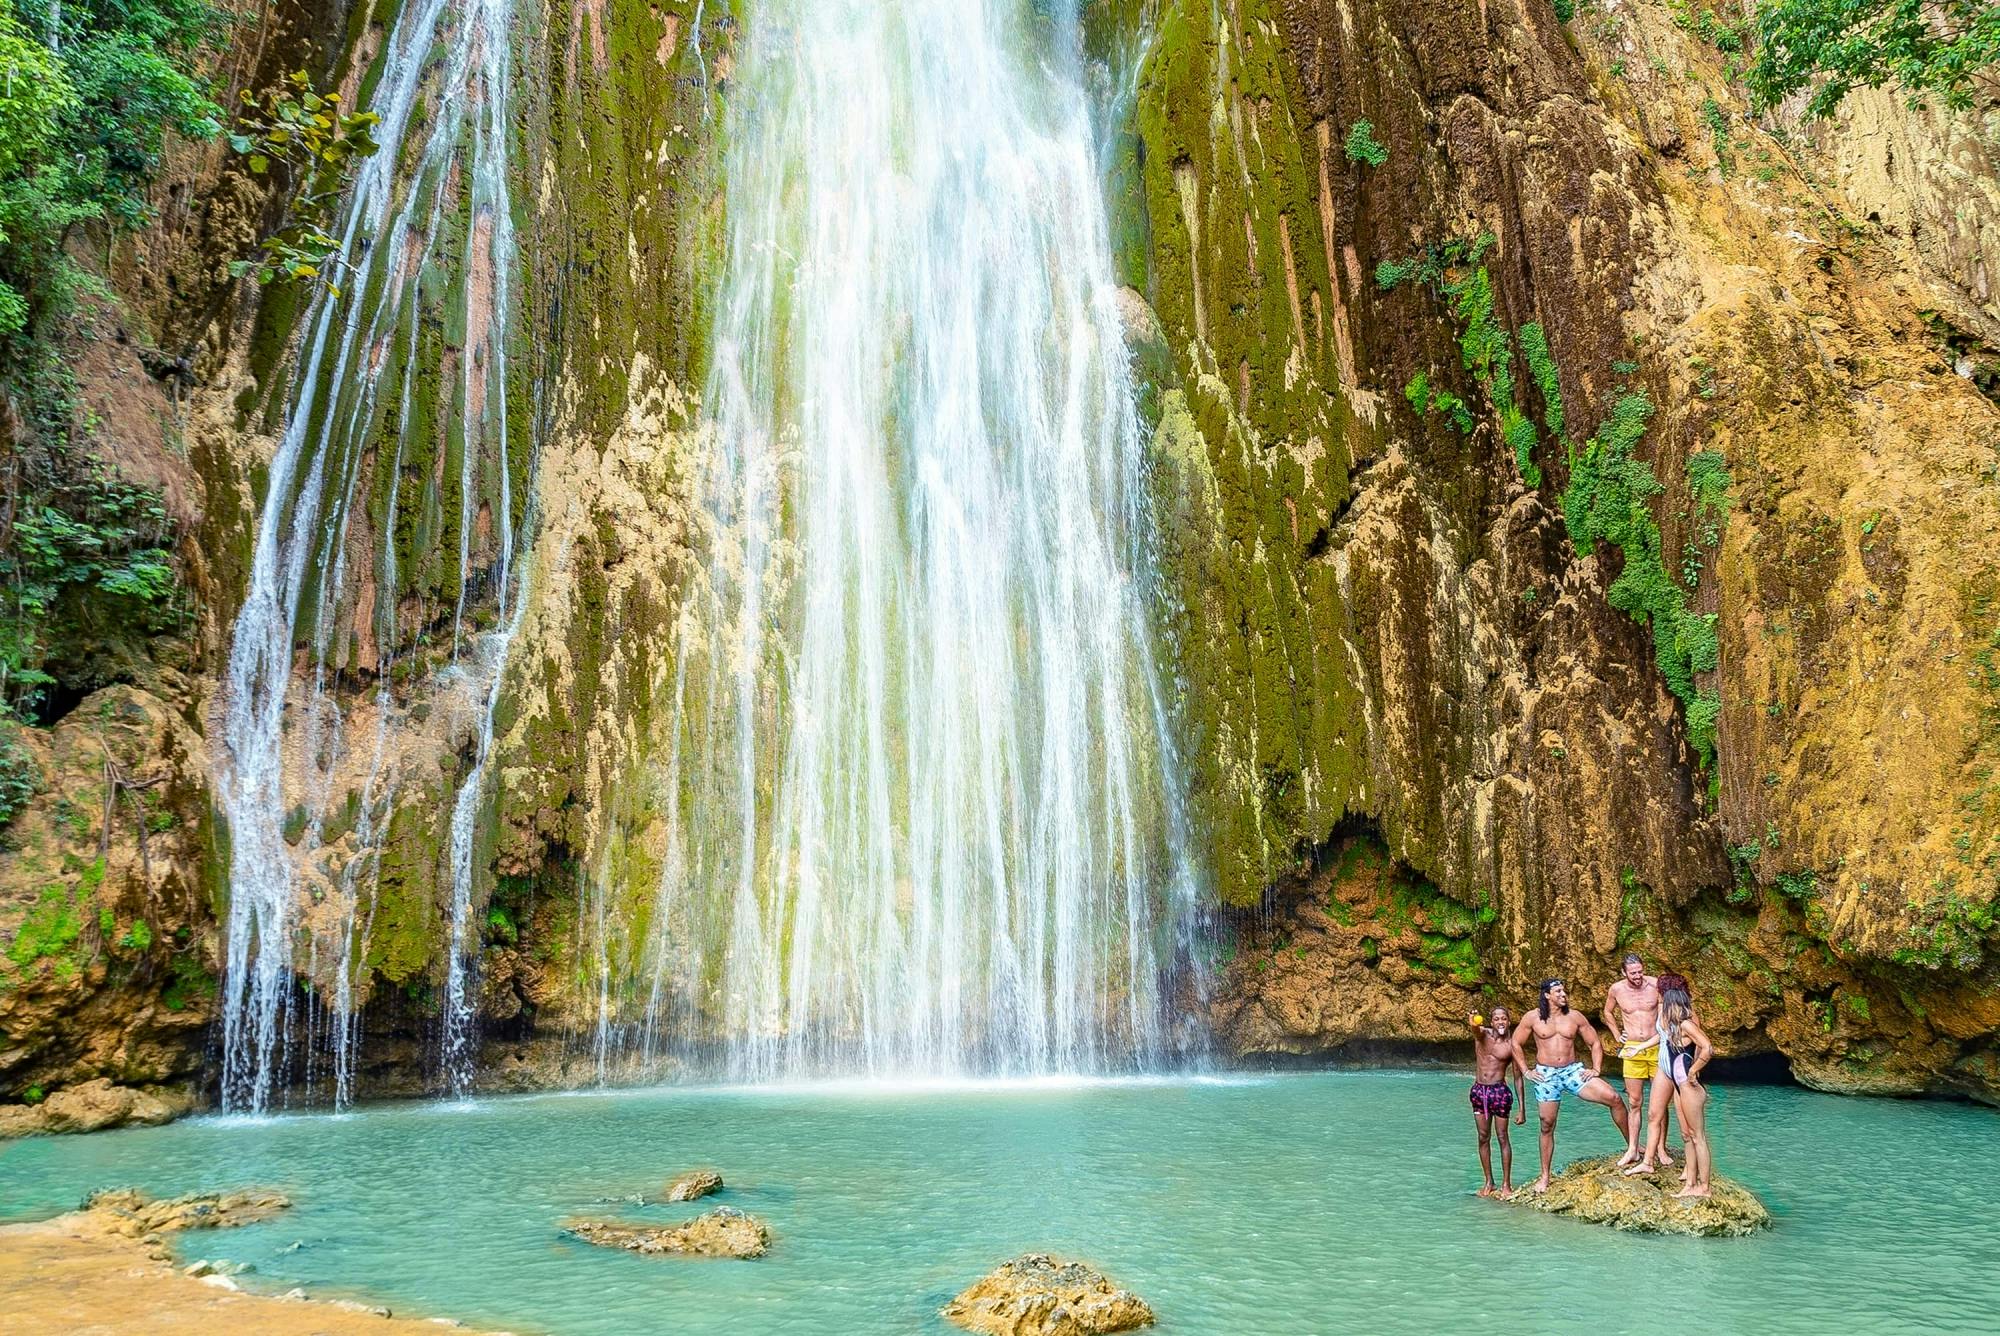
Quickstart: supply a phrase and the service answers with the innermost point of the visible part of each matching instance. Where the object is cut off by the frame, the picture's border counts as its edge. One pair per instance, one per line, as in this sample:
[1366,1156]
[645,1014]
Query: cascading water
[436,195]
[925,810]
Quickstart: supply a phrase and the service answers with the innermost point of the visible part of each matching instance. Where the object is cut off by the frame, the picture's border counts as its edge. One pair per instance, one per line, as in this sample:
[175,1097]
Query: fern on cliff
[1608,500]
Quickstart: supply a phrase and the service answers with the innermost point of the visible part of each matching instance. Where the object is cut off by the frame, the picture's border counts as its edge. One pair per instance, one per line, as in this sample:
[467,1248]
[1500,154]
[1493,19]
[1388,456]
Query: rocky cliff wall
[1695,662]
[1575,511]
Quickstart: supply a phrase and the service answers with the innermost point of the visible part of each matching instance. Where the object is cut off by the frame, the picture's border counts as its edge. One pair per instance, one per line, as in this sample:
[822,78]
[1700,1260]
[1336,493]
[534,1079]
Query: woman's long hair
[1676,1003]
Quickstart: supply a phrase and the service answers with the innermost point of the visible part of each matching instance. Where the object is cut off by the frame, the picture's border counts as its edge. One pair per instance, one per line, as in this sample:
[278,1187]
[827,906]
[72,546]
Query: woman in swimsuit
[1684,1051]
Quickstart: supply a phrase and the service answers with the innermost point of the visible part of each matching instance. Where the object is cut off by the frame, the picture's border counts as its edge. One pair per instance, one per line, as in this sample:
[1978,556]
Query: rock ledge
[723,1232]
[1598,1191]
[1039,1294]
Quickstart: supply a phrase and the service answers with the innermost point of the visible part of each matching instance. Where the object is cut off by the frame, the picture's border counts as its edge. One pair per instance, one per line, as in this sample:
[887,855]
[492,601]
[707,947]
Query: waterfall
[436,195]
[925,813]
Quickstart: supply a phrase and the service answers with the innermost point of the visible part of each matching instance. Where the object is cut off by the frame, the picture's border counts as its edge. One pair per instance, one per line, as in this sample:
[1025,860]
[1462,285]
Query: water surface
[1325,1203]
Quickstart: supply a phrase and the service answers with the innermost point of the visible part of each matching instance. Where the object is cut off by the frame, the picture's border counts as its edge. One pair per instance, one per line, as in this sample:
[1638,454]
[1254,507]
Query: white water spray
[926,814]
[440,182]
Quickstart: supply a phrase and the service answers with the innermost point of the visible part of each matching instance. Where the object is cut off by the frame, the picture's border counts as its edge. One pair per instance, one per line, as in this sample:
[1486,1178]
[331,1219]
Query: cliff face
[1808,601]
[1576,505]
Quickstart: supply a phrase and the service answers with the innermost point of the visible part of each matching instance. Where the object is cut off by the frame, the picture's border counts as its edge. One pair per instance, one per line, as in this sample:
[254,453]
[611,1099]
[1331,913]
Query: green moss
[52,927]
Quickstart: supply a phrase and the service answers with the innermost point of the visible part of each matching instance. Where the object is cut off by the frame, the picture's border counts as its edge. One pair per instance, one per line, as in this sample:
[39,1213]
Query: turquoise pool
[1324,1203]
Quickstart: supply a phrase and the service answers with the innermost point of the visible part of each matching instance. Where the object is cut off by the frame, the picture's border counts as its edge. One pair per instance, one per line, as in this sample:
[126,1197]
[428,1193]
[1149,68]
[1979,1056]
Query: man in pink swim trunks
[1494,1057]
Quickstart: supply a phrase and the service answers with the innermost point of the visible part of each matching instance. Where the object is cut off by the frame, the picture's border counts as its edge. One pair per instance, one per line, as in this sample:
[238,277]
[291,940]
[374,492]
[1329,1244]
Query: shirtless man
[1632,1019]
[1494,1057]
[1555,1030]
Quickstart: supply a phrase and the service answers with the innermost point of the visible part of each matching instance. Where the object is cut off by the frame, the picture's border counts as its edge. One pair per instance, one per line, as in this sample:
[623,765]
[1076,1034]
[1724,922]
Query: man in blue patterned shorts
[1555,1030]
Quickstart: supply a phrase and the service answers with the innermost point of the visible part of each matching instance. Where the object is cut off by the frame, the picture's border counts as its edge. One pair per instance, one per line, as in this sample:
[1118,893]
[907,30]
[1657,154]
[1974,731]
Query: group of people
[1651,1020]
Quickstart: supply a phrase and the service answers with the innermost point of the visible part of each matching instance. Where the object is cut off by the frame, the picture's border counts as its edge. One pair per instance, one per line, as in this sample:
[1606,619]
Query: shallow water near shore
[1331,1202]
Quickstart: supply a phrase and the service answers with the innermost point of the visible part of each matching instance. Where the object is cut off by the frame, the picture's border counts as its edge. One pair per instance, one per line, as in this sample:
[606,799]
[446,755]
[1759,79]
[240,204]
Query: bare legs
[1692,1101]
[1656,1131]
[1486,1125]
[1548,1110]
[1598,1091]
[1635,1090]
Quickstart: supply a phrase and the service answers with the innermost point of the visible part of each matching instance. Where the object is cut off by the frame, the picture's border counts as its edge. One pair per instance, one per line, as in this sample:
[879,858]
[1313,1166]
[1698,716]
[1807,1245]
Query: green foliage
[304,138]
[1542,370]
[98,539]
[1453,271]
[1362,146]
[138,937]
[89,91]
[187,982]
[500,926]
[1717,122]
[1950,932]
[1565,10]
[1608,499]
[1802,886]
[1946,47]
[19,778]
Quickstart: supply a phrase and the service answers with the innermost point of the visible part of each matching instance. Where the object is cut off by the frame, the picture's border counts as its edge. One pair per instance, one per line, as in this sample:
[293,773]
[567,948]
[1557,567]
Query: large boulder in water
[723,1232]
[1043,1295]
[1602,1193]
[693,1184]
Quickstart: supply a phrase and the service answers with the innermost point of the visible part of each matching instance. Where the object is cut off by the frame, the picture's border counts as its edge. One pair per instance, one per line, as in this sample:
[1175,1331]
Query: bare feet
[1506,1193]
[1692,1192]
[1631,1156]
[1486,1191]
[1539,1185]
[1640,1168]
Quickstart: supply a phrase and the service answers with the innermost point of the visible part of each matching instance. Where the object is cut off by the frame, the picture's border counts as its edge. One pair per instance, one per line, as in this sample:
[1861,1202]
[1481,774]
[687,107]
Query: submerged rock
[1600,1192]
[133,1214]
[693,1184]
[723,1232]
[1039,1294]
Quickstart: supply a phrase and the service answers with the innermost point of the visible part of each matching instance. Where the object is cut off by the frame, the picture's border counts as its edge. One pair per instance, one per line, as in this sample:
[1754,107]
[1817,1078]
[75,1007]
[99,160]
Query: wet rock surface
[1600,1192]
[722,1232]
[132,1214]
[692,1185]
[1040,1294]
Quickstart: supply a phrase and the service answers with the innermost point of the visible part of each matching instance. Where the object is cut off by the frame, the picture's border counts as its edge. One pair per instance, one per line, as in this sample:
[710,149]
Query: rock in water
[133,1214]
[692,1184]
[1600,1192]
[1038,1294]
[723,1232]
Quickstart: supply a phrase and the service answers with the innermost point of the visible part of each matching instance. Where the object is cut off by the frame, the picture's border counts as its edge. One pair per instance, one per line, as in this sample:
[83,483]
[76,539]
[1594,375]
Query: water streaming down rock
[436,195]
[927,815]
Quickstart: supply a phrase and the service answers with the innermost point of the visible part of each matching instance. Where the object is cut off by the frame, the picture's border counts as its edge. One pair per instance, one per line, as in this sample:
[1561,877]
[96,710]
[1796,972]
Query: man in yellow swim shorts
[1632,1019]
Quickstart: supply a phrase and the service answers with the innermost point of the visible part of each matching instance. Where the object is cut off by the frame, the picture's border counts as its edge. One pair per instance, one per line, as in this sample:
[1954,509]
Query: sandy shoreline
[75,1275]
